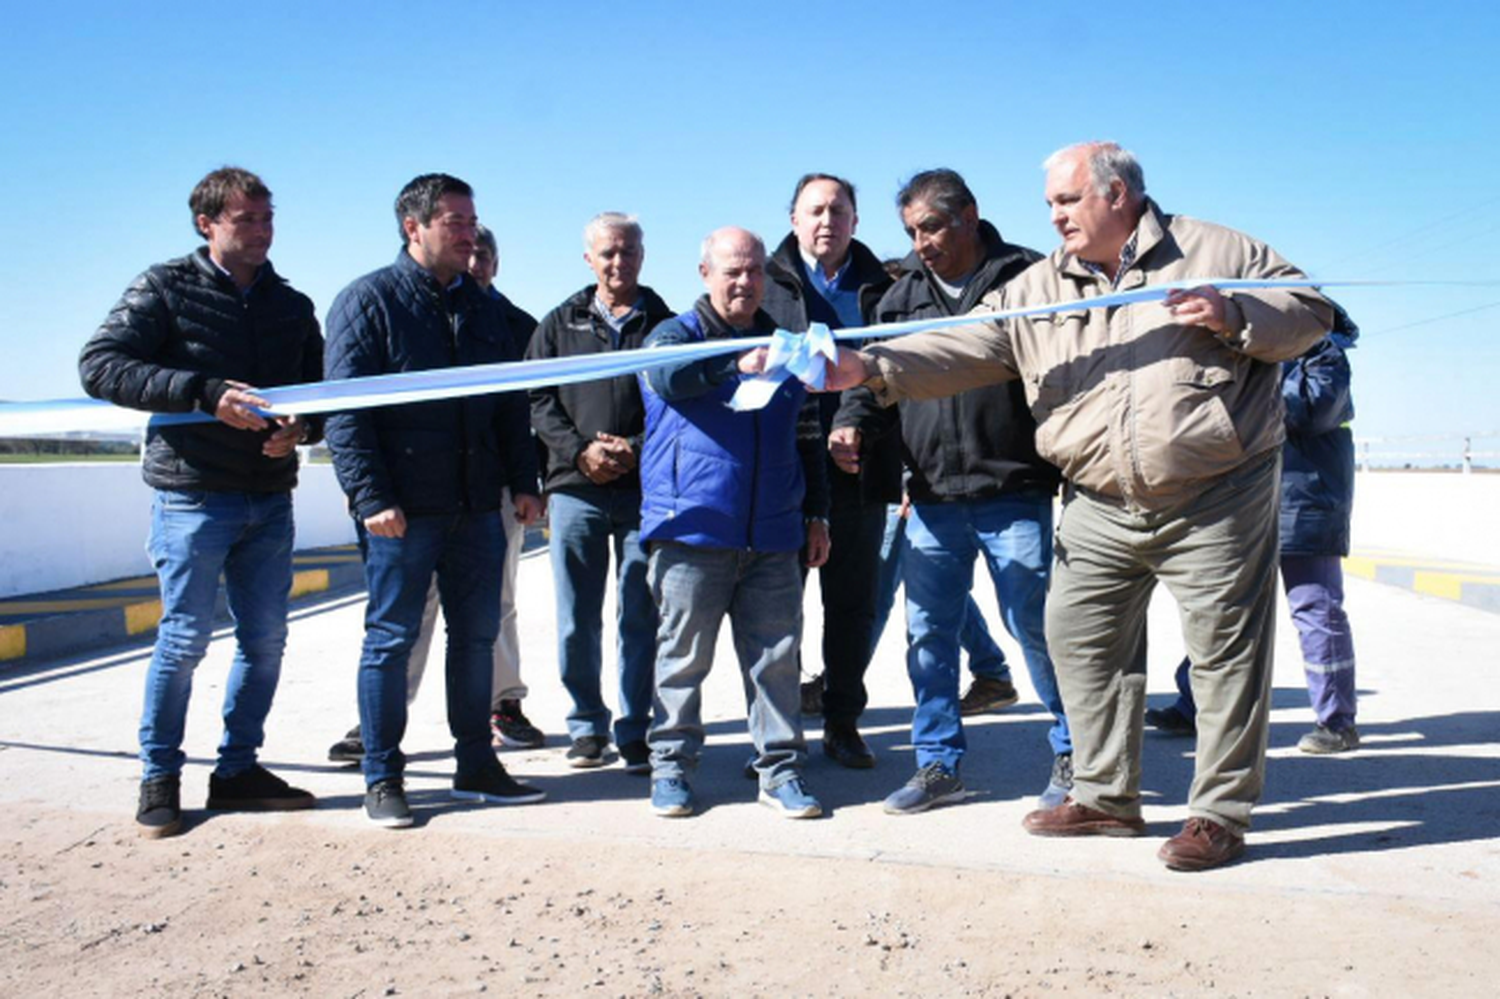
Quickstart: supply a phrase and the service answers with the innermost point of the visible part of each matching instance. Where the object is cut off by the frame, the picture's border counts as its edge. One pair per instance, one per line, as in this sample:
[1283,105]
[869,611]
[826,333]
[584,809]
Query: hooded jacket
[1317,460]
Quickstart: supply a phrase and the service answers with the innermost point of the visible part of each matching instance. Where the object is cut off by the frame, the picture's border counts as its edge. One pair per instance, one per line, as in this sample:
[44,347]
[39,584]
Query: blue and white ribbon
[802,356]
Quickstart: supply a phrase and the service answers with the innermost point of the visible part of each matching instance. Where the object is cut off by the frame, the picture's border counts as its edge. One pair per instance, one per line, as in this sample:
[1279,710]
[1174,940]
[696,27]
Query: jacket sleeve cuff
[213,391]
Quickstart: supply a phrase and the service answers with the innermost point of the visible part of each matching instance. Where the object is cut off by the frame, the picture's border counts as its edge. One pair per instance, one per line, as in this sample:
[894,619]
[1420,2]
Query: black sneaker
[349,749]
[385,804]
[1323,740]
[588,751]
[637,757]
[511,728]
[159,813]
[256,790]
[933,785]
[1170,721]
[987,694]
[494,785]
[843,745]
[811,693]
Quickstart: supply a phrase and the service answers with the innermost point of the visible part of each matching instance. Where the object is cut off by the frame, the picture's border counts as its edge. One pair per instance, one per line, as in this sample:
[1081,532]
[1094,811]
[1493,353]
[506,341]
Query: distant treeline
[51,446]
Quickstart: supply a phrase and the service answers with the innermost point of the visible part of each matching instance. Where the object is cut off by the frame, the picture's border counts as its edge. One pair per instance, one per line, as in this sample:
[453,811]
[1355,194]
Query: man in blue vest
[725,511]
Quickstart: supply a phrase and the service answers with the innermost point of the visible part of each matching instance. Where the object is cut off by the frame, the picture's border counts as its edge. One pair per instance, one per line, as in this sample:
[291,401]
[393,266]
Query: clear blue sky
[1359,139]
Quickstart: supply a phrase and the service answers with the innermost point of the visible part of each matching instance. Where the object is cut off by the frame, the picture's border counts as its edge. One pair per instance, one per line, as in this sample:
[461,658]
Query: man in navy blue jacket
[424,482]
[725,510]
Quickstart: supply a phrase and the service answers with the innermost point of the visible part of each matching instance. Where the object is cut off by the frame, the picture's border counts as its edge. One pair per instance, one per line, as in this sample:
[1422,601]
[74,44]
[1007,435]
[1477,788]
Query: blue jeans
[194,537]
[586,523]
[467,552]
[1014,534]
[761,592]
[986,659]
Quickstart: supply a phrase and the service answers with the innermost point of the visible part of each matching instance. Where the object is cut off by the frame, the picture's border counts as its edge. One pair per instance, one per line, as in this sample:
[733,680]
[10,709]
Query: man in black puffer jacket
[193,335]
[425,483]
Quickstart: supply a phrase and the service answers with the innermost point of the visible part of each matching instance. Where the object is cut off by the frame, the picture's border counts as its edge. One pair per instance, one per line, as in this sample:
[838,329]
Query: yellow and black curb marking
[44,626]
[1462,582]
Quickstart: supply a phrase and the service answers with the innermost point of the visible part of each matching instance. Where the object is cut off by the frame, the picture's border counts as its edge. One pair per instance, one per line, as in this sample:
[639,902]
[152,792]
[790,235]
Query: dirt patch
[250,906]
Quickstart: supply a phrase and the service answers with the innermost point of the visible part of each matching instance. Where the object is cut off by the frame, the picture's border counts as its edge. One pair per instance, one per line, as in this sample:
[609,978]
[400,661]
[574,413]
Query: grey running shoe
[385,804]
[159,813]
[987,694]
[588,751]
[933,785]
[1060,784]
[1323,740]
[494,785]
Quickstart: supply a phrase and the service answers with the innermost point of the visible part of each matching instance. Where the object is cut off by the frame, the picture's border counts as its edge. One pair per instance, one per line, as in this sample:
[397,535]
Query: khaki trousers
[1217,555]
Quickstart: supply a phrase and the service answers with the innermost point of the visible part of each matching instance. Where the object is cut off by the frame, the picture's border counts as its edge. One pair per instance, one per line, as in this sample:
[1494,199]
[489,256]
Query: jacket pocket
[1191,436]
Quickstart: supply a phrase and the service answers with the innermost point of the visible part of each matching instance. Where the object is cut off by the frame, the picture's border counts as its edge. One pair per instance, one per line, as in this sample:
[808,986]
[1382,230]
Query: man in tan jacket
[1165,418]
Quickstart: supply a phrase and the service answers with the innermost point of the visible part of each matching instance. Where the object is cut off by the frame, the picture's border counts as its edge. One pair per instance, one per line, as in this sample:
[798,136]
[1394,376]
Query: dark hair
[808,178]
[419,198]
[942,189]
[483,237]
[213,192]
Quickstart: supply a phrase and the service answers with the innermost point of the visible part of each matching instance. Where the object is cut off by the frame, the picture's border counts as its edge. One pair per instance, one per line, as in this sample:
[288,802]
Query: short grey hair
[1108,162]
[942,190]
[706,254]
[610,221]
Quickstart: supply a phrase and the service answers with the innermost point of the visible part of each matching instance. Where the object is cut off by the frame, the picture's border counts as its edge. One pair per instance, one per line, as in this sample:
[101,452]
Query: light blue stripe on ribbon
[802,356]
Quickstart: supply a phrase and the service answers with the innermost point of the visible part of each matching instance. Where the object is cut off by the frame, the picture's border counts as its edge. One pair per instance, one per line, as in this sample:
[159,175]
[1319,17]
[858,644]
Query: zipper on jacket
[445,301]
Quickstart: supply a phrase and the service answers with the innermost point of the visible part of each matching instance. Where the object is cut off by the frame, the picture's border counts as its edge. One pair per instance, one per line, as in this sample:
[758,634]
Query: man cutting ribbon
[1166,420]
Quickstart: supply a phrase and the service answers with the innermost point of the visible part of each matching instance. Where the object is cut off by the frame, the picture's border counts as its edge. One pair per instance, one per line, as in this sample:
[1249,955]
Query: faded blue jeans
[986,659]
[587,524]
[1014,536]
[467,552]
[761,593]
[195,536]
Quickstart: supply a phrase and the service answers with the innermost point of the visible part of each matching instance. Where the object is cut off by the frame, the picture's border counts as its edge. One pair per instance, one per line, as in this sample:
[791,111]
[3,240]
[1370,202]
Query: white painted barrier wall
[73,524]
[70,524]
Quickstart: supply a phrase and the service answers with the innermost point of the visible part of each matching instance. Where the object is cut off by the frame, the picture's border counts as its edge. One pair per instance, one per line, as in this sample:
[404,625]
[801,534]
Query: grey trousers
[1217,555]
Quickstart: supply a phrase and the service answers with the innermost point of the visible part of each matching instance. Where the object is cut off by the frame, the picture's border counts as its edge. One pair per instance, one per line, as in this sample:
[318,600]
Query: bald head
[734,271]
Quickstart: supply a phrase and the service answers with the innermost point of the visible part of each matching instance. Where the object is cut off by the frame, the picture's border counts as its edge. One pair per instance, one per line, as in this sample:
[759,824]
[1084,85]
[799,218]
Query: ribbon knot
[803,356]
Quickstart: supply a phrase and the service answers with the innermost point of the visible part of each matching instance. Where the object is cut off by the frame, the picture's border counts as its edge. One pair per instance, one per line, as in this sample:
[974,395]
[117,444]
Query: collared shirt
[845,301]
[1127,257]
[244,292]
[615,323]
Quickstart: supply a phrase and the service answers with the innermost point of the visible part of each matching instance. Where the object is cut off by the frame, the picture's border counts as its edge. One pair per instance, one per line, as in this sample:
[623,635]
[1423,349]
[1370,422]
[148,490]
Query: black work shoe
[637,757]
[512,729]
[385,804]
[159,813]
[349,749]
[843,745]
[1323,740]
[494,785]
[811,693]
[1170,721]
[588,751]
[987,694]
[256,790]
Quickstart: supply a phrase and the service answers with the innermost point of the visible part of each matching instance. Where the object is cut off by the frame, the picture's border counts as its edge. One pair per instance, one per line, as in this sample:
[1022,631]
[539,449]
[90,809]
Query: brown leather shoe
[1202,844]
[1072,819]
